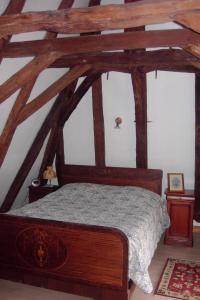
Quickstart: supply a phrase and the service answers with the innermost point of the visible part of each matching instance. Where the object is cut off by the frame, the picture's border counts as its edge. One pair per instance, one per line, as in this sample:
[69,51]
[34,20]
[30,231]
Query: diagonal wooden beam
[27,73]
[33,153]
[52,91]
[190,20]
[197,66]
[194,50]
[99,18]
[53,140]
[76,98]
[11,123]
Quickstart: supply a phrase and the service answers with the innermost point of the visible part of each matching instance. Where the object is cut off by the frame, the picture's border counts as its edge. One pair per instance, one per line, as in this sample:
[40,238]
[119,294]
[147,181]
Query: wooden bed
[85,260]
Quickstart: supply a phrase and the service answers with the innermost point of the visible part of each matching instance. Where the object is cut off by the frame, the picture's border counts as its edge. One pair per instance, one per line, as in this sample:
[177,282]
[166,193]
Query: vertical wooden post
[99,139]
[140,92]
[197,149]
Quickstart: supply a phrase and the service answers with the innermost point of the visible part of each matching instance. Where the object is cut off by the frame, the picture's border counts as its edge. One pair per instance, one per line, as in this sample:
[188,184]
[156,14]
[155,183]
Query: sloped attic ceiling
[41,60]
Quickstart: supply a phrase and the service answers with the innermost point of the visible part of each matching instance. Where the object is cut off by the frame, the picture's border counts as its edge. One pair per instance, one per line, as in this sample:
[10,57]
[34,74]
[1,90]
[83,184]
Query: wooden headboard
[150,179]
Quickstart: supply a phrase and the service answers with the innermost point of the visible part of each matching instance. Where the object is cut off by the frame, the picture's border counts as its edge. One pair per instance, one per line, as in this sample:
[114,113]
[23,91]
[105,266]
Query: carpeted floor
[17,291]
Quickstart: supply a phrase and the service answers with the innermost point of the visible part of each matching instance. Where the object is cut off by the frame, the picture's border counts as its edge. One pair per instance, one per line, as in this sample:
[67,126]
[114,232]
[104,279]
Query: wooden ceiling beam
[153,59]
[108,42]
[98,18]
[52,91]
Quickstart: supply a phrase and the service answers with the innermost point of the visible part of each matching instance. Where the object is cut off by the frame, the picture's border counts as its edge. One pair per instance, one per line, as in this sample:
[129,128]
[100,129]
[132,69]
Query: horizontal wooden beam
[174,57]
[99,18]
[184,69]
[108,42]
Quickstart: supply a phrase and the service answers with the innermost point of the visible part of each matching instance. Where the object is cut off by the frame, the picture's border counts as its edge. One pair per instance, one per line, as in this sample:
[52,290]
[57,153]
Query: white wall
[170,108]
[171,132]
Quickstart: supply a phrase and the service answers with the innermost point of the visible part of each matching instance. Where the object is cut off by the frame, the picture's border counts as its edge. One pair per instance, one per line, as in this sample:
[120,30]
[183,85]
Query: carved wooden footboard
[86,260]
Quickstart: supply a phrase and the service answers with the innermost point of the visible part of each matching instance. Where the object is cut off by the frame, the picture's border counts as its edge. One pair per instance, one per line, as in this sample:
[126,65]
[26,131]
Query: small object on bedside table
[180,208]
[49,174]
[38,192]
[175,182]
[36,182]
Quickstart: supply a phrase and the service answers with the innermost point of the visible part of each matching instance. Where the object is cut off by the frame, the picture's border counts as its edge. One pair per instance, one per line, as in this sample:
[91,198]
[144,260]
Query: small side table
[38,192]
[180,207]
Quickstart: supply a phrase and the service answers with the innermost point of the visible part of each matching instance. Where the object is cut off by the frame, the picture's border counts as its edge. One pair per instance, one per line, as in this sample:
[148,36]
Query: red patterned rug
[180,279]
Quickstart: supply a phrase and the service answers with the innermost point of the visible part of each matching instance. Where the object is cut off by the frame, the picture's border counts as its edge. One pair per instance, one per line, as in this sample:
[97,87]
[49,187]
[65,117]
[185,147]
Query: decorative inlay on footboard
[40,248]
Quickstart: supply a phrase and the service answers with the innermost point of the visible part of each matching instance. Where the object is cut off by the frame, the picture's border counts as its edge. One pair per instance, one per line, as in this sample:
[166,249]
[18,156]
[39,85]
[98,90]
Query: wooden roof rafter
[98,18]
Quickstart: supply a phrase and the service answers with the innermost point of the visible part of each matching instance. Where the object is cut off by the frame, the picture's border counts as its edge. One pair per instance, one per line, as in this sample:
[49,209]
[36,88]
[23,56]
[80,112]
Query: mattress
[139,213]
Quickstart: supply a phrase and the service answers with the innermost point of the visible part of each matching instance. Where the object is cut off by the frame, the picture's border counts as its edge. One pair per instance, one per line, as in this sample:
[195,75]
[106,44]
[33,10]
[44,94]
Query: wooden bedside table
[180,207]
[38,192]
